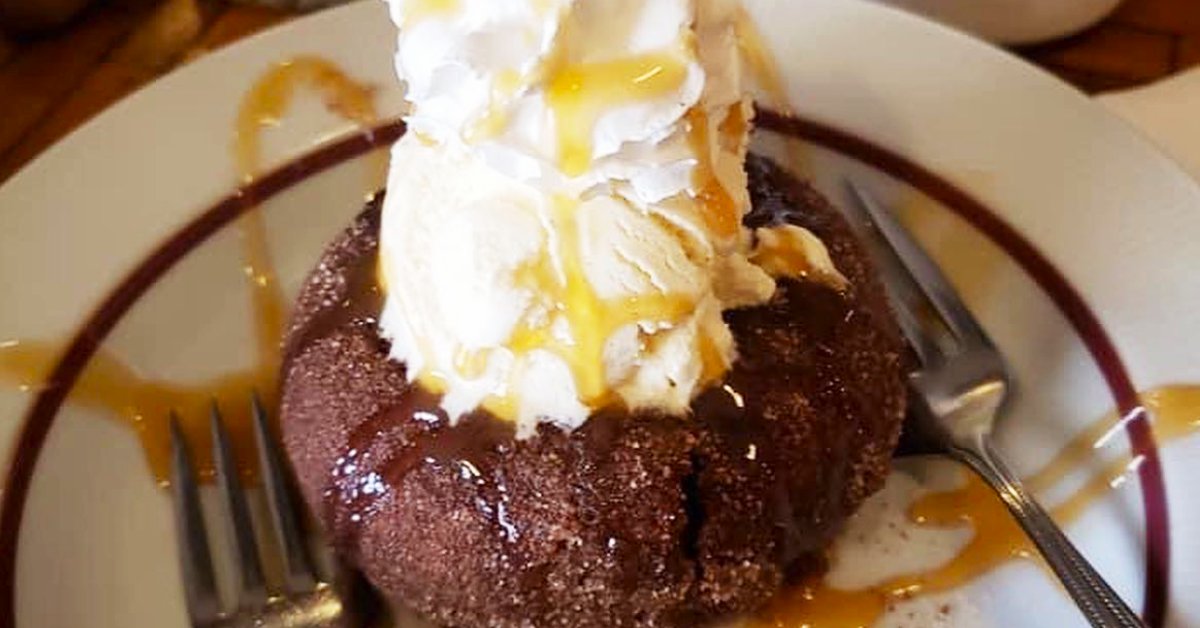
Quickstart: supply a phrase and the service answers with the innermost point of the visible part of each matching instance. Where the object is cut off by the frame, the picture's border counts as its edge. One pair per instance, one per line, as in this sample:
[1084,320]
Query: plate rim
[7,608]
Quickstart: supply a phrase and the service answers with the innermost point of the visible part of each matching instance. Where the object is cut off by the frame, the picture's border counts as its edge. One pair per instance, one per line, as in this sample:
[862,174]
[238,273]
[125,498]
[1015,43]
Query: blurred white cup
[1014,21]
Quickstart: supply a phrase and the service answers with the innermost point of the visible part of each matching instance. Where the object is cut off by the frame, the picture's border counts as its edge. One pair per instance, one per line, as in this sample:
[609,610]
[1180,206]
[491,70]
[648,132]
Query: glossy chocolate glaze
[635,518]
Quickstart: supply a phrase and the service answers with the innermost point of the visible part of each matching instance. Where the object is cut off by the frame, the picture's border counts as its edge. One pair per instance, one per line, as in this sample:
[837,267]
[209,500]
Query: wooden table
[52,84]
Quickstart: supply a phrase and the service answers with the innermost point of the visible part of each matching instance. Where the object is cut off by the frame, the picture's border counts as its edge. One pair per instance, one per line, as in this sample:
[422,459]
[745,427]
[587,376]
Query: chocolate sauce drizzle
[366,474]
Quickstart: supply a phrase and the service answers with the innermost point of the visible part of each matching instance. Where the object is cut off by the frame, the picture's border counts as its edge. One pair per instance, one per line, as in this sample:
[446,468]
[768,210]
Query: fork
[959,388]
[304,600]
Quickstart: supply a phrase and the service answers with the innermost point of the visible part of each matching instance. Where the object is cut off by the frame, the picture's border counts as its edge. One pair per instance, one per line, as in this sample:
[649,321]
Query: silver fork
[958,390]
[305,600]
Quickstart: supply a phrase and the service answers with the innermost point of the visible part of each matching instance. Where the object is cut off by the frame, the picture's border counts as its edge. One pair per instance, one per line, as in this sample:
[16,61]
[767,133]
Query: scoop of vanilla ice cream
[562,228]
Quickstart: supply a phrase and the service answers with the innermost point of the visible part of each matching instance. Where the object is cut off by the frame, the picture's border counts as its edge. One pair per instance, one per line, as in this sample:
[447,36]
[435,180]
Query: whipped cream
[562,229]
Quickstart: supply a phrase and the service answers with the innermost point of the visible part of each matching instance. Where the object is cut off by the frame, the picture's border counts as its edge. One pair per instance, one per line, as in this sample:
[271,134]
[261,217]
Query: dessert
[587,362]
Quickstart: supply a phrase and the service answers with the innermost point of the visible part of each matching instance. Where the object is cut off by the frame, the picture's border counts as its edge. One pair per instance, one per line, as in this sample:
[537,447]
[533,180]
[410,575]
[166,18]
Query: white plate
[95,544]
[1015,21]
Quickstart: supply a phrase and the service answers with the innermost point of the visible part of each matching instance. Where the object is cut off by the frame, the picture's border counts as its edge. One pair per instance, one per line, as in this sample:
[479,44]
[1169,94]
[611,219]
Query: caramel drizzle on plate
[1175,411]
[145,403]
[263,107]
[141,402]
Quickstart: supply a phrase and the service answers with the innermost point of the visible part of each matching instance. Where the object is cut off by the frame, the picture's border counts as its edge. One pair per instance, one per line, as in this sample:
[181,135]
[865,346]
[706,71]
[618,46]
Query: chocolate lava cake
[634,519]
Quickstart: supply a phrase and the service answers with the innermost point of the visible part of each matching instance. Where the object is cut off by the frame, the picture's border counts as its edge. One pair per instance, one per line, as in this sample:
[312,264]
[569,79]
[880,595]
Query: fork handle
[1098,602]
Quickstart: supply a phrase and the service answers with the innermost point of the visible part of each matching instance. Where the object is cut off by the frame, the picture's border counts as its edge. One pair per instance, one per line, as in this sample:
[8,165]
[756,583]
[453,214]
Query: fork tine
[921,271]
[199,583]
[298,573]
[253,591]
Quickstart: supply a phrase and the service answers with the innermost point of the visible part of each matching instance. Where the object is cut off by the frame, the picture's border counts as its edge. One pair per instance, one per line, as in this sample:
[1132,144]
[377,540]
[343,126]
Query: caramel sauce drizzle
[997,537]
[592,320]
[579,92]
[491,125]
[270,98]
[144,402]
[720,210]
[111,385]
[792,251]
[782,261]
[263,107]
[417,10]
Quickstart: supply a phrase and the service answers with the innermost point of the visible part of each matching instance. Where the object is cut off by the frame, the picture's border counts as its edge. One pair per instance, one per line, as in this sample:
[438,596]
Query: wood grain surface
[51,84]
